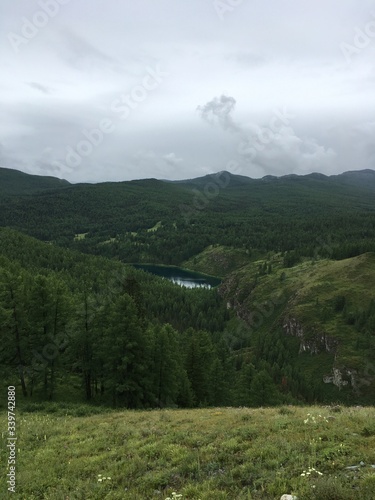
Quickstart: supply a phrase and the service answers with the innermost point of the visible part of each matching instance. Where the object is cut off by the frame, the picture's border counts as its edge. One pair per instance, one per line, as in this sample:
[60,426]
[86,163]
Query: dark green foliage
[120,336]
[339,303]
[245,378]
[168,376]
[15,183]
[81,324]
[124,350]
[262,390]
[303,216]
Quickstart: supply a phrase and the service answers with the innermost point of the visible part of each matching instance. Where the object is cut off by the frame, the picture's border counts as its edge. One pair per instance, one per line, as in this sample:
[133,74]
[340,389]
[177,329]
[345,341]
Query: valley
[284,320]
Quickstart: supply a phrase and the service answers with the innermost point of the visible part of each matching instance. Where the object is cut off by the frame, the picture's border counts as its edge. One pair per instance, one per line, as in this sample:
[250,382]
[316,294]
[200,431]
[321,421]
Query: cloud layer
[178,89]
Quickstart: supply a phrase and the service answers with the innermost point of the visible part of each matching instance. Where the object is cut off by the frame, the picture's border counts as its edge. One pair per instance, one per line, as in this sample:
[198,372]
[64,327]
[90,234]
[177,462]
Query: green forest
[295,254]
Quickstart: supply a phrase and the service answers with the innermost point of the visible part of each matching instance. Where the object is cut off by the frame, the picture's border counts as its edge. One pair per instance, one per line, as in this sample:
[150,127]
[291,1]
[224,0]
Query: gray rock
[289,497]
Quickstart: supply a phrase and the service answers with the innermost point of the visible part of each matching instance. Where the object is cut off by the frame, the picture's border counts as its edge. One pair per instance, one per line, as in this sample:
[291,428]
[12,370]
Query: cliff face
[341,378]
[315,343]
[301,302]
[237,297]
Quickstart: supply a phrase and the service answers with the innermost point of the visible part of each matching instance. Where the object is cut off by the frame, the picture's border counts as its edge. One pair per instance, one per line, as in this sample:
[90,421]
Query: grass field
[221,453]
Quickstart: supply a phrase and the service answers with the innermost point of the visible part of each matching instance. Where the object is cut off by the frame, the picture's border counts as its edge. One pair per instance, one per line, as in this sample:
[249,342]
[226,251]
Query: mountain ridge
[16,182]
[9,176]
[282,214]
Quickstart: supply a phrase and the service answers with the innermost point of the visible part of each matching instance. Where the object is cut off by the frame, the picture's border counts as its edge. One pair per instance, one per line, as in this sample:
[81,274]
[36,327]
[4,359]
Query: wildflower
[310,471]
[102,478]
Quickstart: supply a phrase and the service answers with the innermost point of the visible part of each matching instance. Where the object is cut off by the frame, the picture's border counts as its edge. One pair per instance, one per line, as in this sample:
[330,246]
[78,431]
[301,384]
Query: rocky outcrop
[316,342]
[313,342]
[236,297]
[341,377]
[338,378]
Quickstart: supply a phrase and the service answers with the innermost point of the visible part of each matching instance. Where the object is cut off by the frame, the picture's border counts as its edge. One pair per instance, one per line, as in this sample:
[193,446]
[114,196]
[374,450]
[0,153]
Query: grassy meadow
[67,452]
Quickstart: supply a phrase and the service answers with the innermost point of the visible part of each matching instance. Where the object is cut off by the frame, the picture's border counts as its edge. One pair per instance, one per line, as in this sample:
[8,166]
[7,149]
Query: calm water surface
[181,277]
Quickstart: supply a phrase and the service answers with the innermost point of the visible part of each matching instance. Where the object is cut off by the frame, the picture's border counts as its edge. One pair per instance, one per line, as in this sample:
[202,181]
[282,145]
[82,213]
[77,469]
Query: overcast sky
[95,90]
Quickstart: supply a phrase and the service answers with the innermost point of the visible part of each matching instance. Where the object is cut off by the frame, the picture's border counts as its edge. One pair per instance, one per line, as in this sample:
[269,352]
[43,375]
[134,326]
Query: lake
[182,277]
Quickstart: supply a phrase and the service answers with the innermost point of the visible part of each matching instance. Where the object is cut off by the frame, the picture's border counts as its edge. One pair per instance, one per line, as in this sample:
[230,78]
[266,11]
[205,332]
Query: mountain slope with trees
[123,337]
[290,213]
[16,183]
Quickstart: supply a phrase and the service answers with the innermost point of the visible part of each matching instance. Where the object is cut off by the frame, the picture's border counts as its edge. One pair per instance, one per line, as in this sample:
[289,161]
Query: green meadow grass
[80,236]
[218,260]
[219,453]
[155,227]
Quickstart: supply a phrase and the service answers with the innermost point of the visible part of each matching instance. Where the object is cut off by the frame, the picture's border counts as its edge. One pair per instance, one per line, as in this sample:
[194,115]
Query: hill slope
[272,337]
[221,454]
[279,214]
[326,309]
[15,183]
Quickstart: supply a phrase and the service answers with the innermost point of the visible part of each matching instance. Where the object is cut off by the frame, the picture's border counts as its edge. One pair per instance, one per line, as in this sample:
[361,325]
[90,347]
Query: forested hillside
[15,183]
[288,324]
[125,337]
[158,221]
[114,333]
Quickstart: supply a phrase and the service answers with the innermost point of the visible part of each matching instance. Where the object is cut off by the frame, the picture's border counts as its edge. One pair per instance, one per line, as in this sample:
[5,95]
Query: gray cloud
[260,57]
[40,87]
[274,147]
[220,109]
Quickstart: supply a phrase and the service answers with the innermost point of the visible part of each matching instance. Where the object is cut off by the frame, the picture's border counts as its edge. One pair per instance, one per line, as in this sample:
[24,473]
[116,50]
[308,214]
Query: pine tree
[49,314]
[124,345]
[244,380]
[166,365]
[263,391]
[15,328]
[198,365]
